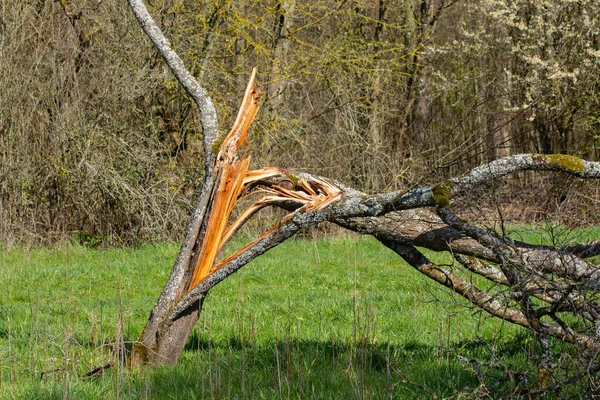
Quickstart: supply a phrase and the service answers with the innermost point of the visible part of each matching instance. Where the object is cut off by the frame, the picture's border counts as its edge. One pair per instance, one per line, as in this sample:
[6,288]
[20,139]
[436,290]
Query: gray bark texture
[559,279]
[150,348]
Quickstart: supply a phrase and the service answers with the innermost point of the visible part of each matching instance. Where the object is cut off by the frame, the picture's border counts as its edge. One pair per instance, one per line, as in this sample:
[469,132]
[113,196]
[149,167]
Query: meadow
[314,318]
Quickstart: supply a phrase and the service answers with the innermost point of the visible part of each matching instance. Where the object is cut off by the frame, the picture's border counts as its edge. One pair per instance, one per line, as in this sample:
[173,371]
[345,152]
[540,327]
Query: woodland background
[99,142]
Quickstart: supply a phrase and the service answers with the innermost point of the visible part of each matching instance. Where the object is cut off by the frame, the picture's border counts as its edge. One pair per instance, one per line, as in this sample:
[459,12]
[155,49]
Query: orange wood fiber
[230,172]
[234,180]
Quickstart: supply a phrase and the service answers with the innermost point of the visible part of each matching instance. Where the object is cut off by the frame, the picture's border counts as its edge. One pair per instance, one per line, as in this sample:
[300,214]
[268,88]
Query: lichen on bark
[562,161]
[442,193]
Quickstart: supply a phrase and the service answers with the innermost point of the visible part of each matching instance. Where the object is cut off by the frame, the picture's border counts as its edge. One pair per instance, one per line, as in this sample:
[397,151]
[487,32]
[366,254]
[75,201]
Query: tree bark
[149,348]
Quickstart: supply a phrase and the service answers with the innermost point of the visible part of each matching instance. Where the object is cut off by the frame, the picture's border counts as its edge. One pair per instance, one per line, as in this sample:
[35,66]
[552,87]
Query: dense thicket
[96,137]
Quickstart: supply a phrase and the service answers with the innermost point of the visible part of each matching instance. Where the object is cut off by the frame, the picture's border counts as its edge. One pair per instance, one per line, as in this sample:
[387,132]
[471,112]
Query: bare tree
[548,290]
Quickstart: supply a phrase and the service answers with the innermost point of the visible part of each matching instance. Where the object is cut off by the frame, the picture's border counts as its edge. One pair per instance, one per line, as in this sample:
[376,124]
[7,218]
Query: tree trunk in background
[411,43]
[544,133]
[277,93]
[421,18]
[376,112]
[376,109]
[422,117]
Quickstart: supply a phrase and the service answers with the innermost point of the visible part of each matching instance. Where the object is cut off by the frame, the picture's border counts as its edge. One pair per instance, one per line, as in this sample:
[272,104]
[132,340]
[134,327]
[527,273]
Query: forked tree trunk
[538,283]
[162,342]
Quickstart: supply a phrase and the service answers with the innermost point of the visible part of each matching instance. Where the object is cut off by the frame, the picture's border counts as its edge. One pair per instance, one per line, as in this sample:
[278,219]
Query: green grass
[335,318]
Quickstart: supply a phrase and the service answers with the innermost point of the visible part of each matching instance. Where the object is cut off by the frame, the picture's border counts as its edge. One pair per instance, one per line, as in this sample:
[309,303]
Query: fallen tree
[551,291]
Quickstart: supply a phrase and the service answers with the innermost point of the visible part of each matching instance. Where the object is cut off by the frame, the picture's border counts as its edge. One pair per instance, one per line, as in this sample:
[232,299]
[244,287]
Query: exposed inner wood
[234,181]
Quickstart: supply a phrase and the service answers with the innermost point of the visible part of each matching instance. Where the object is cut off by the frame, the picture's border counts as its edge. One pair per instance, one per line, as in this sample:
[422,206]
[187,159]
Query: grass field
[334,318]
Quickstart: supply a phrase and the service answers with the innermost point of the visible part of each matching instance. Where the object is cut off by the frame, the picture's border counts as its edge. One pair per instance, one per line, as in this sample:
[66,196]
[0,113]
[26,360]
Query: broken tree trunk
[227,179]
[533,285]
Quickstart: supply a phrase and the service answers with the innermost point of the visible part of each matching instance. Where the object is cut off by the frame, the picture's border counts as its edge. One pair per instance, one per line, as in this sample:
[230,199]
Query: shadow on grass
[309,369]
[329,368]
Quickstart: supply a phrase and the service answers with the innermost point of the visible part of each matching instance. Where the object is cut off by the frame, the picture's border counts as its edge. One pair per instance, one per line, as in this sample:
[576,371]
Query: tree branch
[481,299]
[252,250]
[358,204]
[525,162]
[583,250]
[208,114]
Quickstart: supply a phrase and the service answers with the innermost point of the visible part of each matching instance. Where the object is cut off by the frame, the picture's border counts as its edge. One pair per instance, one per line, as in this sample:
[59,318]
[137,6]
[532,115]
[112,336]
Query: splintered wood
[233,182]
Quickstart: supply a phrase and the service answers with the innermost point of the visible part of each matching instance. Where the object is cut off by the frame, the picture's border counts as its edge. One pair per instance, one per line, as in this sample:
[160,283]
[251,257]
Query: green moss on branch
[561,161]
[442,193]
